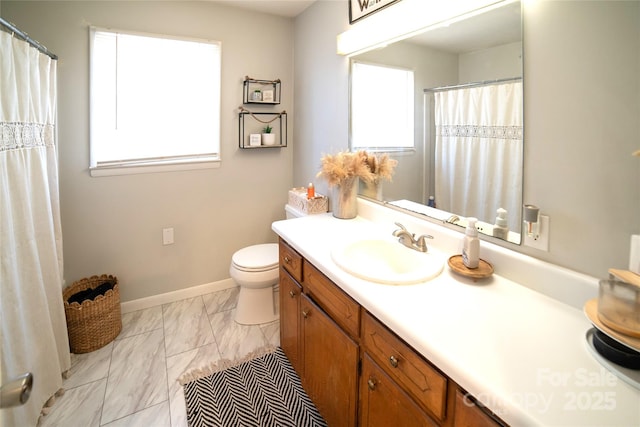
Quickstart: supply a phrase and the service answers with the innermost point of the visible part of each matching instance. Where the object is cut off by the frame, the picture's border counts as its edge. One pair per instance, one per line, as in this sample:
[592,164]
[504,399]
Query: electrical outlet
[167,236]
[541,241]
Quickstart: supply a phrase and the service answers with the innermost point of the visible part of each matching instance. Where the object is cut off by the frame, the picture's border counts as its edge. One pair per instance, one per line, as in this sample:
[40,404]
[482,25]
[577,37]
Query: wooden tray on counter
[484,269]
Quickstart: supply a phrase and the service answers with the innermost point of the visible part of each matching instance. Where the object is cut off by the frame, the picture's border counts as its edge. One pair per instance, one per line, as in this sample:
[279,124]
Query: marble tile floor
[132,381]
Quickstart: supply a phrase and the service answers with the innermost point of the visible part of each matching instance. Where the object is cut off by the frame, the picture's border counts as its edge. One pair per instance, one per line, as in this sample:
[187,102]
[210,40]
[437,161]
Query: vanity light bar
[407,19]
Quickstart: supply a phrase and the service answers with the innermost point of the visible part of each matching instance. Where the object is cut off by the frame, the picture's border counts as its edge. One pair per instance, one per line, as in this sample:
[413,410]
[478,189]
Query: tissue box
[298,199]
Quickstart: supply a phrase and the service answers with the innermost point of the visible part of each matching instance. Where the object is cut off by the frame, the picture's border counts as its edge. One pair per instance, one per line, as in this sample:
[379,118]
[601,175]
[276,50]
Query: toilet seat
[256,258]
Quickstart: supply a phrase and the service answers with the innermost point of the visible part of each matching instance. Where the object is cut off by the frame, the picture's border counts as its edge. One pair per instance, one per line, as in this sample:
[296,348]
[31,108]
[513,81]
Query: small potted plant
[268,138]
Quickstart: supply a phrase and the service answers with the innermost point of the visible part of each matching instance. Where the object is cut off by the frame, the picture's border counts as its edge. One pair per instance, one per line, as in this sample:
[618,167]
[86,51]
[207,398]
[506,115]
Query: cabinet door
[383,403]
[290,292]
[330,366]
[468,414]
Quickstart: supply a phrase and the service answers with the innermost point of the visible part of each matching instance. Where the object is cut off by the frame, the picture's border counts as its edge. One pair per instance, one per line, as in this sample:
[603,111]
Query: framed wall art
[359,9]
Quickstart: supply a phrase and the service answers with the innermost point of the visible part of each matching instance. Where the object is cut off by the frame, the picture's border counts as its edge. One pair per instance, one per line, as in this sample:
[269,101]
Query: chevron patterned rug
[262,392]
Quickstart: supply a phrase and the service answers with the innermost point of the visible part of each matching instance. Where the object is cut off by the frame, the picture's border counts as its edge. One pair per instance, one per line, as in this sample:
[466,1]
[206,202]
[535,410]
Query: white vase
[268,139]
[372,190]
[344,199]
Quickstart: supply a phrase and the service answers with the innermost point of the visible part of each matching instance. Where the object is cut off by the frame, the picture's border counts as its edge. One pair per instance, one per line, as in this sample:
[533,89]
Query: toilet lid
[257,257]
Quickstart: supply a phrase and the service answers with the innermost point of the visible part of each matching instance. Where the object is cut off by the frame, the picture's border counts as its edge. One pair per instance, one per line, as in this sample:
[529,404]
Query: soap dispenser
[500,228]
[471,245]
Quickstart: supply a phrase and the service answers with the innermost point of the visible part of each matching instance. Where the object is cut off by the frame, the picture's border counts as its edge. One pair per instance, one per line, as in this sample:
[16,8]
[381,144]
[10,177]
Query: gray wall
[114,224]
[582,110]
[322,89]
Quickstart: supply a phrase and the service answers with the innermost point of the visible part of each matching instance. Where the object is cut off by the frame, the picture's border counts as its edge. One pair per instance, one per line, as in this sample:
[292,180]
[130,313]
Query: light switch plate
[542,241]
[167,236]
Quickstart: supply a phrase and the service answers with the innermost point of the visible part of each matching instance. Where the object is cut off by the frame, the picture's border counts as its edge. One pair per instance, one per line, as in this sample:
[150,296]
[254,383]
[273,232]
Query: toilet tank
[292,212]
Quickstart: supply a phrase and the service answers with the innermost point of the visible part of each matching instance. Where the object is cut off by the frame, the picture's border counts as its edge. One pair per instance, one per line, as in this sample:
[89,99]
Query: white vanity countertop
[521,353]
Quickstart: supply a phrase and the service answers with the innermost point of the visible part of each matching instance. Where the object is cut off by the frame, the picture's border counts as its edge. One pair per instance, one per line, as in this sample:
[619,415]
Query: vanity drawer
[290,260]
[338,305]
[414,374]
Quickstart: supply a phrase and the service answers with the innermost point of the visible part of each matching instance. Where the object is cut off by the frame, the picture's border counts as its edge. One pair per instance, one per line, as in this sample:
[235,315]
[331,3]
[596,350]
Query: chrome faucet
[453,219]
[409,239]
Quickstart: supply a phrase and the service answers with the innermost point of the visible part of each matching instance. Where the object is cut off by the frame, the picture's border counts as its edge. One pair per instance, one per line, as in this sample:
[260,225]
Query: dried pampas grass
[381,166]
[337,168]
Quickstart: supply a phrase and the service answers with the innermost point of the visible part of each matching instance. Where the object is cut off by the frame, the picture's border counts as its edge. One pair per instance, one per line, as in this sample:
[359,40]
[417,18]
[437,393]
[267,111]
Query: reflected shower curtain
[33,333]
[478,151]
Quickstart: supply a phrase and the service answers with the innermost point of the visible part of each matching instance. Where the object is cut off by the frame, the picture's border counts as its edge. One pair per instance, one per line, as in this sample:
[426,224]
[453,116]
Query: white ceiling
[286,8]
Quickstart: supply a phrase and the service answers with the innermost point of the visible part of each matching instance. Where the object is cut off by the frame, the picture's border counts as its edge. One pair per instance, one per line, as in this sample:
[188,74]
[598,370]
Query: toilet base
[256,306]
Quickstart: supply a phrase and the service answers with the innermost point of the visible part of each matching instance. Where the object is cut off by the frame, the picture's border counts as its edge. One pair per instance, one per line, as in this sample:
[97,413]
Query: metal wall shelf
[251,122]
[269,91]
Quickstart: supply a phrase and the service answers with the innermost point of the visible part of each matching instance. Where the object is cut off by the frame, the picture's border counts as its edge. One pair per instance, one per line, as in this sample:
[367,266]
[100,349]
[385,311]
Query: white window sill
[155,167]
[396,151]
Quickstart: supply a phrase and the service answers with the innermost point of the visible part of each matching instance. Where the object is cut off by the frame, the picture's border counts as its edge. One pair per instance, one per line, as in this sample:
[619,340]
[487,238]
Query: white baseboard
[180,294]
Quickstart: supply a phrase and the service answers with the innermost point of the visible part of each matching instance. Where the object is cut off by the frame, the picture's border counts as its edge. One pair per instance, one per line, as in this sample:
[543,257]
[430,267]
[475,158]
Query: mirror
[467,121]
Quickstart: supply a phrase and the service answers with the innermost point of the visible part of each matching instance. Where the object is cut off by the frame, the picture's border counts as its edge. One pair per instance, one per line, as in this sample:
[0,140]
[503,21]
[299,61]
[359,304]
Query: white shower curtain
[478,152]
[33,326]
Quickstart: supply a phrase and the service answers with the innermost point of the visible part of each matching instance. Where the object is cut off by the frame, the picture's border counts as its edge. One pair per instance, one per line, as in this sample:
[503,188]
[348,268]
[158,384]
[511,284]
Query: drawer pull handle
[305,313]
[287,259]
[371,383]
[292,294]
[393,361]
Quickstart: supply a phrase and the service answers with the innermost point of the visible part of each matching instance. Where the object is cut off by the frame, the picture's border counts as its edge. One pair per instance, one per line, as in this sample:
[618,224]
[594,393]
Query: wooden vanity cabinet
[398,384]
[329,338]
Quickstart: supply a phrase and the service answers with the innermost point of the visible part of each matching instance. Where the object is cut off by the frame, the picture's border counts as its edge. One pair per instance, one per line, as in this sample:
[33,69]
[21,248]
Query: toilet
[255,270]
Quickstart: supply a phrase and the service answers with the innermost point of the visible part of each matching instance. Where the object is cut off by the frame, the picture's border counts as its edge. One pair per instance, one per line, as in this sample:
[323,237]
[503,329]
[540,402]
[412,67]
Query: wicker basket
[92,324]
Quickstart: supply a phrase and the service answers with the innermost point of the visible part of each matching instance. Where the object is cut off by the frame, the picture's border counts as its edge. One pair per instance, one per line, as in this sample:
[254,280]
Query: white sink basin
[388,262]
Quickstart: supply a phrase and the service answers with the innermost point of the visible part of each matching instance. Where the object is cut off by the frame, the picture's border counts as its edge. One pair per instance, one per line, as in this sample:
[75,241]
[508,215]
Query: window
[381,107]
[155,103]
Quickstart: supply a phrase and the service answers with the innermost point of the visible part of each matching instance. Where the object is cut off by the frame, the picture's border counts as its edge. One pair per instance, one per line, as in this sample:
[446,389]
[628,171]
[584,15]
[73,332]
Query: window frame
[152,164]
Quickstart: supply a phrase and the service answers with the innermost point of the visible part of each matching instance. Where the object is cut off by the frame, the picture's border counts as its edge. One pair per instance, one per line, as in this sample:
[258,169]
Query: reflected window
[381,107]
